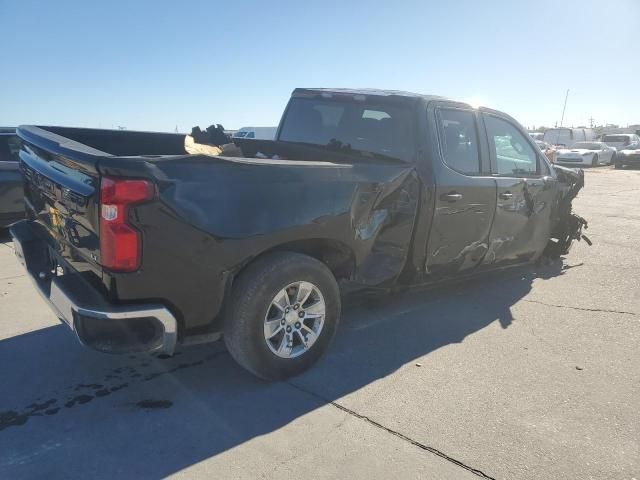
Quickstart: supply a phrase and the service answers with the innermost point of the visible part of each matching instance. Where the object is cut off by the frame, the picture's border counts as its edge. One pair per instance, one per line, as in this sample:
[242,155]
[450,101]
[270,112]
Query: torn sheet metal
[567,226]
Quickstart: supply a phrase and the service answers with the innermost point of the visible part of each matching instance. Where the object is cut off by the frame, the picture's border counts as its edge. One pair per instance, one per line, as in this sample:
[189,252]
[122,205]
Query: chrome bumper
[83,308]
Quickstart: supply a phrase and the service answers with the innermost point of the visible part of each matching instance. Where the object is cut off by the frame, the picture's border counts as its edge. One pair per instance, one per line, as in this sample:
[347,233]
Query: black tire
[613,159]
[253,292]
[594,162]
[617,165]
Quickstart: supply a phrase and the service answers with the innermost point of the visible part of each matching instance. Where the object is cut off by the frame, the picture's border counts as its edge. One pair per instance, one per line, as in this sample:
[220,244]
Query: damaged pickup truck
[139,246]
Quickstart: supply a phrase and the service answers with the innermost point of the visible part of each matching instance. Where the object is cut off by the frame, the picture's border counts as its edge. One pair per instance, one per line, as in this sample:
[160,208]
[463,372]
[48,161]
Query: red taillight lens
[120,243]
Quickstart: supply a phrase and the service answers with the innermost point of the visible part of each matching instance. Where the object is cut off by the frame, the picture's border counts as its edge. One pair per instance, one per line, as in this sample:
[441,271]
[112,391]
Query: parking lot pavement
[526,375]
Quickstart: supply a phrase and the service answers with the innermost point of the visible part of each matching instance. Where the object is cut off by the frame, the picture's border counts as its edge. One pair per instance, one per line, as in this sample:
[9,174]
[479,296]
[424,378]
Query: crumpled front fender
[567,226]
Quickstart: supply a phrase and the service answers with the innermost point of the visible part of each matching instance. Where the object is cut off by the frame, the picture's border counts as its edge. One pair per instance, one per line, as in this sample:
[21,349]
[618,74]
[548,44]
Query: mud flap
[567,226]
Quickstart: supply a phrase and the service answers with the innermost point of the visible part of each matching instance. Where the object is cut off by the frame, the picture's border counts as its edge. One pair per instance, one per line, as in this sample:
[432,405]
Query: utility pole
[566,97]
[591,120]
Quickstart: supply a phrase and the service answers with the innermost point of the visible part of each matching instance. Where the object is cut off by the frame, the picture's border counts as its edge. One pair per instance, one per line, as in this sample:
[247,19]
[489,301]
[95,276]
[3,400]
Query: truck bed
[210,215]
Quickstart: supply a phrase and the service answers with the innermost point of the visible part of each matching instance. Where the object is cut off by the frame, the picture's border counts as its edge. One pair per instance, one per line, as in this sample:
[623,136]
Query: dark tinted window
[359,125]
[9,148]
[459,140]
[514,155]
[616,138]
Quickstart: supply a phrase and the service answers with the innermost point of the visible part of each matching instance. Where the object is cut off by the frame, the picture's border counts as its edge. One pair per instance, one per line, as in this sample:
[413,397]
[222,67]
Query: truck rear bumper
[97,323]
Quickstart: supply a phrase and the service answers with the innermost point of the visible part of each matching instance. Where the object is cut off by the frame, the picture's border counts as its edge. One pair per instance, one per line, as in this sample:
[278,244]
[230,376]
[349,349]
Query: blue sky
[155,65]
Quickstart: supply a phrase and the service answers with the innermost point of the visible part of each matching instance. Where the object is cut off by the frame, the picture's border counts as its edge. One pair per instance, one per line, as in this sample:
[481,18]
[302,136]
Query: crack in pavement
[582,309]
[402,436]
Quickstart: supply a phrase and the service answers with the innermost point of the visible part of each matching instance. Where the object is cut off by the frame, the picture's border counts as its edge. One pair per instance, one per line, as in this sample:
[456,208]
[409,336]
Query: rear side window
[459,140]
[357,126]
[514,155]
[624,139]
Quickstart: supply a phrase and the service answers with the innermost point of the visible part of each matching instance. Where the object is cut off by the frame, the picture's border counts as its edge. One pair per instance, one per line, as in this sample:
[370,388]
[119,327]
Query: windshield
[350,126]
[632,146]
[588,146]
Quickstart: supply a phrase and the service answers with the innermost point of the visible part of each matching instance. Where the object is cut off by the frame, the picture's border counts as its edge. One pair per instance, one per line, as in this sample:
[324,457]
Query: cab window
[459,140]
[513,153]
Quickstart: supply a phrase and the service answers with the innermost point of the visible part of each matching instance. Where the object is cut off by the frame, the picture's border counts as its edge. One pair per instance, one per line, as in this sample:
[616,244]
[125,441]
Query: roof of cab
[372,91]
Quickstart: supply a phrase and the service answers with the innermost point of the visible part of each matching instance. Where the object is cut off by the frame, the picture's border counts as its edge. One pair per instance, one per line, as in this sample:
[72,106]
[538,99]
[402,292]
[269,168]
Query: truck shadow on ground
[72,412]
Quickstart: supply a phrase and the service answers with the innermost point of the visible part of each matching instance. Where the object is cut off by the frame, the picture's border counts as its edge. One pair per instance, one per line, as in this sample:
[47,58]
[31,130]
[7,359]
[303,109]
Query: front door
[465,199]
[525,191]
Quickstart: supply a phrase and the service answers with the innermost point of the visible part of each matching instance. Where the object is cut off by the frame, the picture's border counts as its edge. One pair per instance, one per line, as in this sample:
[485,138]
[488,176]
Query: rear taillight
[120,243]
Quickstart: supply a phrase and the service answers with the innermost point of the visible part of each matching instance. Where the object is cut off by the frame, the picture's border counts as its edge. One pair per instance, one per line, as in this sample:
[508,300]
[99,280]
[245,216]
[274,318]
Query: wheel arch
[337,256]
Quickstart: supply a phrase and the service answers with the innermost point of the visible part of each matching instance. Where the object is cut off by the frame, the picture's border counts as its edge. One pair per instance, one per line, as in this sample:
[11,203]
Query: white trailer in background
[566,137]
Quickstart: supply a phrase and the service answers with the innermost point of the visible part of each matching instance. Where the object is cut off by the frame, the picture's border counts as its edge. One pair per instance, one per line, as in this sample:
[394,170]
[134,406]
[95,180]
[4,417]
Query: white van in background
[568,136]
[260,133]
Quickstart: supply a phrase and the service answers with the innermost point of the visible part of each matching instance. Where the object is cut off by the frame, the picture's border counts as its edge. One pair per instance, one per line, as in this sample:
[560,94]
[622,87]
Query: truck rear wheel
[283,314]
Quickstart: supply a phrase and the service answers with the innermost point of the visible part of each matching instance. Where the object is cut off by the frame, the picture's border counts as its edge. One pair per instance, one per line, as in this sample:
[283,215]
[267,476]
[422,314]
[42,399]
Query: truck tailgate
[61,190]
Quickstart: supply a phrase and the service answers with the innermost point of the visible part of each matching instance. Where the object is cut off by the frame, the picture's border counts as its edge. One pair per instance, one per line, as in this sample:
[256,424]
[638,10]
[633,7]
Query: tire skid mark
[115,380]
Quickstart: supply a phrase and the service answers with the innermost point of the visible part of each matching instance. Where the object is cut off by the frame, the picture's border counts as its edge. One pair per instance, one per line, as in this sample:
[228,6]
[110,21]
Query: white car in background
[586,153]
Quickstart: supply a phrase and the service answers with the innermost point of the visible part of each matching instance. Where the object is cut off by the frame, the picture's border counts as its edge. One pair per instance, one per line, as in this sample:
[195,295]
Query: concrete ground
[530,375]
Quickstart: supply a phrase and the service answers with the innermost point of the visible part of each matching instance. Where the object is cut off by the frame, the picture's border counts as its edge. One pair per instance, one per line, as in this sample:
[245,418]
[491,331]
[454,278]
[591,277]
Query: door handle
[451,197]
[506,195]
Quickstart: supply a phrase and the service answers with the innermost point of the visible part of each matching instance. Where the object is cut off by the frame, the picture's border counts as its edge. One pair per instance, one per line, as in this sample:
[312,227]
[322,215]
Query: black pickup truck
[139,246]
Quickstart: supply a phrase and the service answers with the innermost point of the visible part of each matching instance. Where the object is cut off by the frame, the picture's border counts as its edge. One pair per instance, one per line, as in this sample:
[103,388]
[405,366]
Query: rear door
[465,198]
[525,191]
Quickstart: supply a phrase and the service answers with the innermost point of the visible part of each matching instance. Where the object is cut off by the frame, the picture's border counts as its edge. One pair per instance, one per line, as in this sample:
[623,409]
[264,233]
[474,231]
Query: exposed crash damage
[141,241]
[567,225]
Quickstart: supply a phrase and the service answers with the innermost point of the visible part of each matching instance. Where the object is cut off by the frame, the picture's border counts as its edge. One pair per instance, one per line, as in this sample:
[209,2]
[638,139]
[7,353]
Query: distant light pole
[566,97]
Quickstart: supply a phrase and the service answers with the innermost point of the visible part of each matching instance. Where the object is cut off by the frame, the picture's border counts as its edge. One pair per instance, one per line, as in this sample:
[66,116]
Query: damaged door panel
[465,199]
[525,195]
[522,222]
